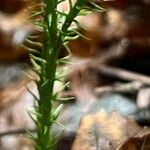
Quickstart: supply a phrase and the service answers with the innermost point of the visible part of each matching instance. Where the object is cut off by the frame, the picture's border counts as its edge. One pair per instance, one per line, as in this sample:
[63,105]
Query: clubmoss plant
[57,31]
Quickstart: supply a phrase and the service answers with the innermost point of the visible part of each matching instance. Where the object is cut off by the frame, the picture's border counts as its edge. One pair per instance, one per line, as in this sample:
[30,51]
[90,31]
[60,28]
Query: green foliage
[57,31]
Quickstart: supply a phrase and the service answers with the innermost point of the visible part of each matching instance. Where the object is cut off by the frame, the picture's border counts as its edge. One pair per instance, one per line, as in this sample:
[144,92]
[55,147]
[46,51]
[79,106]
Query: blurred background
[120,38]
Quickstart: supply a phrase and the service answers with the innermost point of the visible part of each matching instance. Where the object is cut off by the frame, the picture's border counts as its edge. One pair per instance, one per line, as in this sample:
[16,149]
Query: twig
[144,143]
[17,131]
[122,88]
[124,74]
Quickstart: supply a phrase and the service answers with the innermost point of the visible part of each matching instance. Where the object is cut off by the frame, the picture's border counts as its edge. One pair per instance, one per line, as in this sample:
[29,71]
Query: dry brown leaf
[102,131]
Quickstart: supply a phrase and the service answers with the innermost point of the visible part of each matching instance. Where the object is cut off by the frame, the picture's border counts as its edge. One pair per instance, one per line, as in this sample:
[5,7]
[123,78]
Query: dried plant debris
[70,115]
[140,141]
[119,37]
[14,106]
[102,131]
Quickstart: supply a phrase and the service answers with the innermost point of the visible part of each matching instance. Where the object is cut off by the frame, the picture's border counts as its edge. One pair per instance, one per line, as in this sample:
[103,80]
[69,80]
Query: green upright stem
[52,42]
[47,76]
